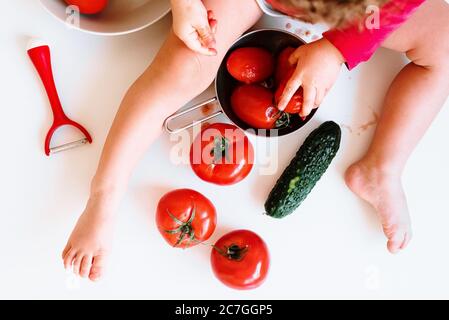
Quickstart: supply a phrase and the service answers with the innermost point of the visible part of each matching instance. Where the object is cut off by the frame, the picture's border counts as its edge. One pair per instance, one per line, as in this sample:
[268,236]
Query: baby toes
[68,259]
[396,242]
[66,250]
[77,263]
[96,271]
[408,237]
[86,265]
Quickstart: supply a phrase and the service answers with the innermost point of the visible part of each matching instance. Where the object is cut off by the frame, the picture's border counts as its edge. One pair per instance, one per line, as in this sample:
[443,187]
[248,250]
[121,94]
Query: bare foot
[385,193]
[90,242]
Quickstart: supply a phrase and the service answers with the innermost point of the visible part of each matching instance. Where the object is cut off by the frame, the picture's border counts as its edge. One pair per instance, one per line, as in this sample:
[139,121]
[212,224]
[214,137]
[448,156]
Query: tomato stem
[233,252]
[184,229]
[220,150]
[283,121]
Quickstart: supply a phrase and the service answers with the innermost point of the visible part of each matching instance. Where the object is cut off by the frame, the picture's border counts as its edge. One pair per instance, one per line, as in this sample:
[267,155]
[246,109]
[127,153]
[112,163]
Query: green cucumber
[305,170]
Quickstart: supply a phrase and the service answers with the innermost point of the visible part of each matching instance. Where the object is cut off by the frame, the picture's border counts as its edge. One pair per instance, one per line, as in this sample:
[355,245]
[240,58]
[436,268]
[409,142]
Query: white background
[332,247]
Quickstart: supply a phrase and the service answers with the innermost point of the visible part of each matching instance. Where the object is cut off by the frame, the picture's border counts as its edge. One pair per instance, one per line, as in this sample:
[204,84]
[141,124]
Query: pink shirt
[357,44]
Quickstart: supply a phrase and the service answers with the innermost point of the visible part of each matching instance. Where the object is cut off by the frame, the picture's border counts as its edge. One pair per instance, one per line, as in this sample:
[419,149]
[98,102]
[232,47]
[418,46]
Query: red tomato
[283,66]
[250,65]
[89,6]
[295,104]
[222,154]
[254,105]
[240,260]
[185,218]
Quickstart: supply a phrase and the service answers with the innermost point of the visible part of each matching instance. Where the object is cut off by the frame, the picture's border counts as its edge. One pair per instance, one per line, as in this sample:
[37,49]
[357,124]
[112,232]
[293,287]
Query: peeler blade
[68,146]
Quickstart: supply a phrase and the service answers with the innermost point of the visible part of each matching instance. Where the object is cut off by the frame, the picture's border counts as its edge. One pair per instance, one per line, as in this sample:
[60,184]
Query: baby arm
[351,45]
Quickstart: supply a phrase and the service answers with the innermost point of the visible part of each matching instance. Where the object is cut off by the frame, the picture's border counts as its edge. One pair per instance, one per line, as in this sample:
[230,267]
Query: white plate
[120,17]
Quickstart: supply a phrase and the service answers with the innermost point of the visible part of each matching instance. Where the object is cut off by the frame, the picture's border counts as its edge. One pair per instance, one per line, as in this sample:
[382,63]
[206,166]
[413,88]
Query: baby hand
[194,25]
[318,66]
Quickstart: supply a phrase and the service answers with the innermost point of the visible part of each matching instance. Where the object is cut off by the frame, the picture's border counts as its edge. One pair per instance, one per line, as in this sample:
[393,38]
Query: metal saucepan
[272,39]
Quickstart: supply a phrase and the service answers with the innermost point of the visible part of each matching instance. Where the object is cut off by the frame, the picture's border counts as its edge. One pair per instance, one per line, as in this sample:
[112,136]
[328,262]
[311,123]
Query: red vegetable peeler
[39,53]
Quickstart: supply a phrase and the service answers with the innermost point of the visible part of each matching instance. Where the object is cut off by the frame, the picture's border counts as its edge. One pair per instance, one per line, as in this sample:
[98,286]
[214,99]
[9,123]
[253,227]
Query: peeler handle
[39,54]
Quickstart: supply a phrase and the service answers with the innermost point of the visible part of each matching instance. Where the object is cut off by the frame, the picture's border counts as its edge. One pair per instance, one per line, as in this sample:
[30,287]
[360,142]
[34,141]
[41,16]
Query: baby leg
[176,76]
[413,101]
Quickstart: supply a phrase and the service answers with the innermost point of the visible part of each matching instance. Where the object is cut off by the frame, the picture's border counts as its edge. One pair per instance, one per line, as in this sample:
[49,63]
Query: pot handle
[195,122]
[268,10]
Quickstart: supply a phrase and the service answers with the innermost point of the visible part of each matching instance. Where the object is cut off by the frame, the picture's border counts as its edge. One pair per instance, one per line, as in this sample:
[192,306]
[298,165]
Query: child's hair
[334,12]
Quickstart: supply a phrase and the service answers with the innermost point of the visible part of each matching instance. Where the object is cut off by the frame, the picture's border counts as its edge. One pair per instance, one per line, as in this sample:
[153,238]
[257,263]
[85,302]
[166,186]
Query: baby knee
[198,71]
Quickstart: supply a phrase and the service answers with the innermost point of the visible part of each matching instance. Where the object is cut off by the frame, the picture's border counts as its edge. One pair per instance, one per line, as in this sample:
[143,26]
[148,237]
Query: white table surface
[332,247]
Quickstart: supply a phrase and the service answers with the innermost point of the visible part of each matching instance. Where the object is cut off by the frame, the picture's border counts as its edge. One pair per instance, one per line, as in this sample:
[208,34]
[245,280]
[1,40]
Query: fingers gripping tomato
[185,218]
[240,260]
[222,154]
[284,69]
[296,102]
[251,64]
[89,6]
[254,105]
